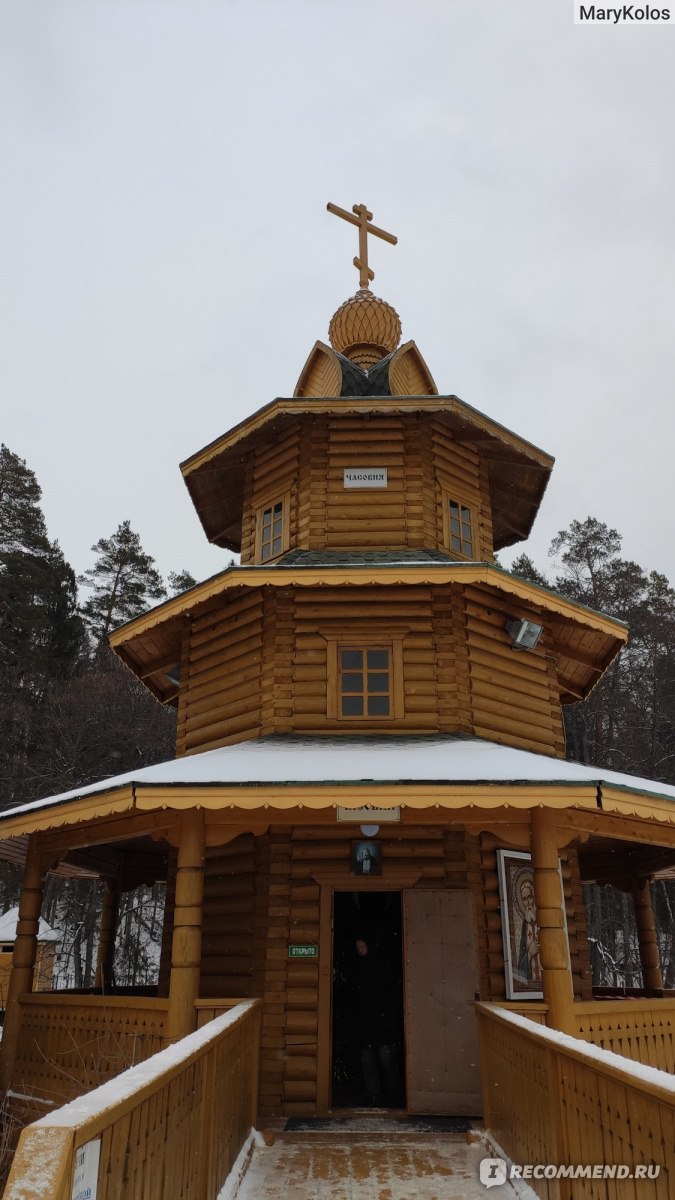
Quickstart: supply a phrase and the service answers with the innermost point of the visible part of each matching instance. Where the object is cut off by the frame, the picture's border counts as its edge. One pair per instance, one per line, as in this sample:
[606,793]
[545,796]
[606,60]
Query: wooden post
[106,940]
[23,960]
[646,931]
[550,901]
[186,947]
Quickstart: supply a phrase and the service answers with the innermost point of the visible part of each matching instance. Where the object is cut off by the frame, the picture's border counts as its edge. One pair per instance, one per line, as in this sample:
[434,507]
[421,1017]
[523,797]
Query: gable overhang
[518,472]
[585,642]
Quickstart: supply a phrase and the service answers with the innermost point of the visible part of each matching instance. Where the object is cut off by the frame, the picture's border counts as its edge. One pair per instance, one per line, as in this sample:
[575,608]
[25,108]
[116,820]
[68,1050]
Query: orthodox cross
[362,219]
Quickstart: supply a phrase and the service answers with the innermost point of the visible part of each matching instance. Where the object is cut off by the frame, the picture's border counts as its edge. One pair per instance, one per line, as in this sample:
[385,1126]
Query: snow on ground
[351,1167]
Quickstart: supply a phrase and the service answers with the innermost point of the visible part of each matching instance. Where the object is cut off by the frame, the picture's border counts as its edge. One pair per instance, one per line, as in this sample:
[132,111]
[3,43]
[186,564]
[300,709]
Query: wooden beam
[23,958]
[54,846]
[624,829]
[186,946]
[550,900]
[647,938]
[164,664]
[106,941]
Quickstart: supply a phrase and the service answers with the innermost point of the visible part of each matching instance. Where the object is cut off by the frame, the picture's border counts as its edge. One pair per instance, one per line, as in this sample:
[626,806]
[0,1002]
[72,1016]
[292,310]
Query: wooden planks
[548,1103]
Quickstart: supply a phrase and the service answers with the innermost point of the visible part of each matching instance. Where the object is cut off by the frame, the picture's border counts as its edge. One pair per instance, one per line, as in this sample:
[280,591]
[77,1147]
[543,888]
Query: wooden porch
[175,1124]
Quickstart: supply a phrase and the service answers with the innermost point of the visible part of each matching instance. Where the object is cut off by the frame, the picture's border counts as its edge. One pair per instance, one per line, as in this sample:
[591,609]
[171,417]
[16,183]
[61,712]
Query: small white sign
[368,814]
[365,477]
[85,1175]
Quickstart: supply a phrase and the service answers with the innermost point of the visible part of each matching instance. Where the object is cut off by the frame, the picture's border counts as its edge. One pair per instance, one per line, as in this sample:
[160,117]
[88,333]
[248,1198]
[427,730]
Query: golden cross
[362,219]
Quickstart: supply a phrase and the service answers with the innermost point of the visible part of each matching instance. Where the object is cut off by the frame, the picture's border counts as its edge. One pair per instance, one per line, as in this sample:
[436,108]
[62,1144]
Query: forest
[71,714]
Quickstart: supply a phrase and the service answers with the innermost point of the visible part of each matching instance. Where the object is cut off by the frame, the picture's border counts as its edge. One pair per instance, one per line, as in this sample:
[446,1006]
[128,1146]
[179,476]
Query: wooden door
[441,982]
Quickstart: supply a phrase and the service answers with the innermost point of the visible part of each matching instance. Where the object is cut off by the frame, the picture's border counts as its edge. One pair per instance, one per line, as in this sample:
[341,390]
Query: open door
[367,1058]
[441,981]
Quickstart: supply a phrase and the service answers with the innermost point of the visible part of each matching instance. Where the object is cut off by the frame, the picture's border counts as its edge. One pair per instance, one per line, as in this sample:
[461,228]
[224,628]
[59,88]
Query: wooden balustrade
[171,1126]
[69,1044]
[550,1099]
[643,1030]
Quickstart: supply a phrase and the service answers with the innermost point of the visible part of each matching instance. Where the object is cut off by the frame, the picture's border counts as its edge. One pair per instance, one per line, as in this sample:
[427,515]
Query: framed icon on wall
[520,930]
[366,858]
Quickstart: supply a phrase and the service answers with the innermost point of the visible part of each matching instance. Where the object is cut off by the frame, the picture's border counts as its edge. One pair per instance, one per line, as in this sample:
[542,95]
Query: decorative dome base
[365,328]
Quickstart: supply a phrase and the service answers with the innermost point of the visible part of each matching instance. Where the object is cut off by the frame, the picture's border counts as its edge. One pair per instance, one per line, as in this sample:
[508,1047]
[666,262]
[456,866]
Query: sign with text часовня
[365,477]
[85,1174]
[303,950]
[368,814]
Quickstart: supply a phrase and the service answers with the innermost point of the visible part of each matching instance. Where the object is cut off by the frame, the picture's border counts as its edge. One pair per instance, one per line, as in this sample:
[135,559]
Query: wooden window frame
[448,495]
[359,641]
[284,499]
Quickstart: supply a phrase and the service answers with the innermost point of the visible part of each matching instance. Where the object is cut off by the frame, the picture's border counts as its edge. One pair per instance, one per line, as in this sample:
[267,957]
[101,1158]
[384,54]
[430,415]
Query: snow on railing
[549,1098]
[180,1117]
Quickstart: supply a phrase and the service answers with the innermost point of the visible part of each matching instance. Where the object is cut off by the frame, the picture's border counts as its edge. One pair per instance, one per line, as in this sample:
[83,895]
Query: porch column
[106,938]
[186,947]
[550,902]
[646,931]
[23,959]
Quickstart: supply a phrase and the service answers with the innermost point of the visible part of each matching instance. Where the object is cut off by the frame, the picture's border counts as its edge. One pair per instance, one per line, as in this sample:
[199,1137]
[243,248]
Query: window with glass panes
[364,681]
[272,531]
[460,532]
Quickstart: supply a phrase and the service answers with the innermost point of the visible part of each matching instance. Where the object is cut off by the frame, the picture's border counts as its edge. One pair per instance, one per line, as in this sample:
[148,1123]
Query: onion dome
[365,329]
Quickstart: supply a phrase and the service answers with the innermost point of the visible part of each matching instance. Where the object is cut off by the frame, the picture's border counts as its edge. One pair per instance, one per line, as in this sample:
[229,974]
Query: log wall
[258,664]
[423,460]
[515,696]
[263,894]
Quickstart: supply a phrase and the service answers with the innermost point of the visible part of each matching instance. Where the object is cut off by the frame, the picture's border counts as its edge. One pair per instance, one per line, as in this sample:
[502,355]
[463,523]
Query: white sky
[167,260]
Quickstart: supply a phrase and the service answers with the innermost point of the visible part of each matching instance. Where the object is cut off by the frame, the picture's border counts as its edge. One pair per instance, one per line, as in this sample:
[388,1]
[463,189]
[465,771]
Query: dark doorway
[368,1062]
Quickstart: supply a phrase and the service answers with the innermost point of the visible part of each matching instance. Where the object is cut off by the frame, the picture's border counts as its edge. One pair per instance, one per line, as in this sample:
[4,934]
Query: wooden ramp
[366,1166]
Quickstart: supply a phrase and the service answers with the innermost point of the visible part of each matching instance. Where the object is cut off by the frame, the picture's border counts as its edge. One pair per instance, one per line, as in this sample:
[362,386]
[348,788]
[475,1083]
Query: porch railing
[69,1044]
[643,1030]
[550,1099]
[171,1126]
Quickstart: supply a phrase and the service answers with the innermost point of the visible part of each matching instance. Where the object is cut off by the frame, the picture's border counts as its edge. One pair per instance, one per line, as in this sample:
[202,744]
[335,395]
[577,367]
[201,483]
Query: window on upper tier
[365,681]
[458,527]
[272,530]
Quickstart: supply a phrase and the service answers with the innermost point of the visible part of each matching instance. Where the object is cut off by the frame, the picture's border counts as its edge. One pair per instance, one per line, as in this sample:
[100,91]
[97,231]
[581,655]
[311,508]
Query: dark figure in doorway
[377,1026]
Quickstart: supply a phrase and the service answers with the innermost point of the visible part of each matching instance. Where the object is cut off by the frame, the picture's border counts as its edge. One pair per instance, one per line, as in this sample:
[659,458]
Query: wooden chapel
[369,713]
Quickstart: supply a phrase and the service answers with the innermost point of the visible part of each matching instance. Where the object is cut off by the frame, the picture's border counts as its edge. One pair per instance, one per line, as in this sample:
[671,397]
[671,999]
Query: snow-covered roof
[289,760]
[8,924]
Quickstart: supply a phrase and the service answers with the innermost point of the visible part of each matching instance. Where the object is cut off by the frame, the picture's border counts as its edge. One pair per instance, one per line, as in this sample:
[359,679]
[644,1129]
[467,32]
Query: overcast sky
[168,261]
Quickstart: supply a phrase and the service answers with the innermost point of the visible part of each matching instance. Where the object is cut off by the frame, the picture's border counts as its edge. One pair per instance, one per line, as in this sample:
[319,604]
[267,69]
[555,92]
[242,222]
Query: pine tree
[41,632]
[525,569]
[181,581]
[124,581]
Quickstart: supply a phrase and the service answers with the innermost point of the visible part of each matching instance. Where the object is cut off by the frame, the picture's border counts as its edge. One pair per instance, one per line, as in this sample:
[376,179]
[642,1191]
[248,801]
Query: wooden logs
[23,961]
[187,927]
[550,902]
[106,941]
[646,931]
